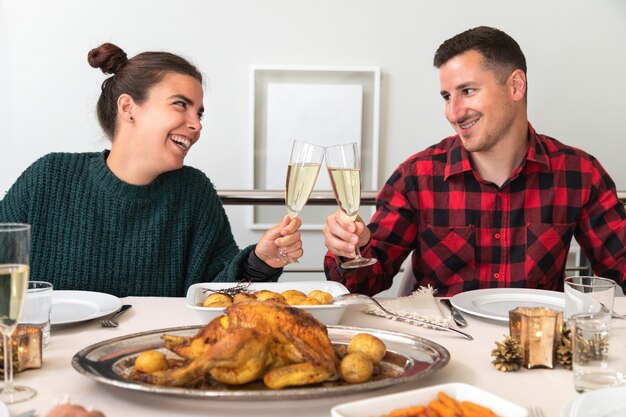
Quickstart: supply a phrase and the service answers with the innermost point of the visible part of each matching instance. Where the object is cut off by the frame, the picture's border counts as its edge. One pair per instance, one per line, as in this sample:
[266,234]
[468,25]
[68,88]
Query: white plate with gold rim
[495,303]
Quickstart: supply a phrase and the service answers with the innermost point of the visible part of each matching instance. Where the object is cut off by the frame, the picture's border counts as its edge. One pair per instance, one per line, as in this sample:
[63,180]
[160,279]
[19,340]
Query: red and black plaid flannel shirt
[468,234]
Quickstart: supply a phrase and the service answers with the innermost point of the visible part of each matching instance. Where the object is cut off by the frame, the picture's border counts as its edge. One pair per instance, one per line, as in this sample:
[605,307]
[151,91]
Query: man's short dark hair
[501,54]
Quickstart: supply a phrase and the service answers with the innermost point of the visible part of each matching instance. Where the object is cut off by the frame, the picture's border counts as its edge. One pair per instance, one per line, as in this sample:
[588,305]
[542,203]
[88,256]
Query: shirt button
[496,275]
[497,235]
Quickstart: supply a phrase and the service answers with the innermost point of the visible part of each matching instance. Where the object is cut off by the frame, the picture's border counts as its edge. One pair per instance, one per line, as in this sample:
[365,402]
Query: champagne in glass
[300,181]
[344,168]
[304,166]
[14,273]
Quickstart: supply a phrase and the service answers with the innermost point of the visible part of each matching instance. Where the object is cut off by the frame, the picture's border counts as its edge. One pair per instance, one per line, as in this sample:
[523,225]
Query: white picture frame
[286,100]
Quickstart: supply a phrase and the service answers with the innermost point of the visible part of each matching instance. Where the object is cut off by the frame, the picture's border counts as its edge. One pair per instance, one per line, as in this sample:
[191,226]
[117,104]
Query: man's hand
[341,234]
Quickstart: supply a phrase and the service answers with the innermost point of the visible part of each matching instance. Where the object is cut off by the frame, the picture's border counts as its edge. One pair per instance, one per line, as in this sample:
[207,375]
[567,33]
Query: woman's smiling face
[168,123]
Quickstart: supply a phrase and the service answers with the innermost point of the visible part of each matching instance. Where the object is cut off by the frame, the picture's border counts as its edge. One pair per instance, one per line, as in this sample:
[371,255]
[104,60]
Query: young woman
[133,220]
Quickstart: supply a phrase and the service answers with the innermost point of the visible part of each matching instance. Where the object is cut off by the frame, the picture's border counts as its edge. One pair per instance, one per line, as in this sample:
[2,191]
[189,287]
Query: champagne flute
[302,171]
[344,168]
[14,273]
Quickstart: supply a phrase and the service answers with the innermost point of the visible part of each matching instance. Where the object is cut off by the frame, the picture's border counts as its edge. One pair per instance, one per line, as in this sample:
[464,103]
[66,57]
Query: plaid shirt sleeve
[601,230]
[394,229]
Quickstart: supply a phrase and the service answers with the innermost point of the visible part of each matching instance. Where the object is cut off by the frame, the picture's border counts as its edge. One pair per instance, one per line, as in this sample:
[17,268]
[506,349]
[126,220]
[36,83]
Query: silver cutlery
[111,321]
[617,315]
[456,314]
[347,299]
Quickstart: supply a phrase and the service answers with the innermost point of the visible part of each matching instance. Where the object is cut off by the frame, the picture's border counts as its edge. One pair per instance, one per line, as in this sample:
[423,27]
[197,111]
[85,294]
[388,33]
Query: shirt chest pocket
[547,246]
[448,253]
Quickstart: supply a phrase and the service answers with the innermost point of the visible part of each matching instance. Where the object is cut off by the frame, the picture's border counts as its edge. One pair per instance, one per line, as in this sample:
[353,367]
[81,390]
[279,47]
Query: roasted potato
[265,295]
[293,293]
[369,345]
[322,296]
[356,368]
[217,299]
[295,300]
[310,301]
[243,296]
[151,361]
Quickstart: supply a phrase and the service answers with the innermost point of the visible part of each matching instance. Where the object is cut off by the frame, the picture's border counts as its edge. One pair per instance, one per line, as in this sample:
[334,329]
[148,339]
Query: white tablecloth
[470,363]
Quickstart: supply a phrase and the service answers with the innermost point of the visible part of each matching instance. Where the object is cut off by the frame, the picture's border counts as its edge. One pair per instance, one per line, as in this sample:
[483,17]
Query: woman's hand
[72,410]
[341,234]
[284,235]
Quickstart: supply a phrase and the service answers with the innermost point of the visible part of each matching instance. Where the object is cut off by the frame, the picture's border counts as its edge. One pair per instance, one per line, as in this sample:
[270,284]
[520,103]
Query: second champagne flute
[14,274]
[344,168]
[302,172]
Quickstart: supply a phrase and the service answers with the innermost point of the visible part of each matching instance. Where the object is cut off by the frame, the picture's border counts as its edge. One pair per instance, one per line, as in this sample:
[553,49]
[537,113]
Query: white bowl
[327,314]
[378,406]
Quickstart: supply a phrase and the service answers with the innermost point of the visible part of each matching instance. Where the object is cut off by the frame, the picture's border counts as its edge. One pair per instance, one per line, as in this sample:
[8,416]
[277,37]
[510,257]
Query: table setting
[459,365]
[311,346]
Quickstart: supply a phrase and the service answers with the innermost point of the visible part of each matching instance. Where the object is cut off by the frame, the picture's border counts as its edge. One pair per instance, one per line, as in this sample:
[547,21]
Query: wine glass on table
[14,273]
[302,172]
[344,168]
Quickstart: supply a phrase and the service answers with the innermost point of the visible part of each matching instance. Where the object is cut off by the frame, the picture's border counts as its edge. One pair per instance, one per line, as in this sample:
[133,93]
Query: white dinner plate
[77,306]
[495,303]
[378,406]
[607,402]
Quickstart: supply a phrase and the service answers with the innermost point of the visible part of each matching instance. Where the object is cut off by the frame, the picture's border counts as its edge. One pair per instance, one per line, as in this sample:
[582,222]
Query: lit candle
[538,330]
[27,348]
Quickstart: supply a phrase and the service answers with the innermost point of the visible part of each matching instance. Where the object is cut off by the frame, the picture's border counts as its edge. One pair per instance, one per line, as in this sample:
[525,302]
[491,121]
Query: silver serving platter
[410,357]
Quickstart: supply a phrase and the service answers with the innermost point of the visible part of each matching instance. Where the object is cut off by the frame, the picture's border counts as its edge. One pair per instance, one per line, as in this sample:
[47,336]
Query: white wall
[576,52]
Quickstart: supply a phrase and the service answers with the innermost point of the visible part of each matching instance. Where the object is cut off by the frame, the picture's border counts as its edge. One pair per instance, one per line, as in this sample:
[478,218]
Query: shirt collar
[459,161]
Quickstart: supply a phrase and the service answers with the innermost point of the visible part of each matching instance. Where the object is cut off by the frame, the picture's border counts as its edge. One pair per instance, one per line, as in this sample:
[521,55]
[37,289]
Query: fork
[535,412]
[111,321]
[354,298]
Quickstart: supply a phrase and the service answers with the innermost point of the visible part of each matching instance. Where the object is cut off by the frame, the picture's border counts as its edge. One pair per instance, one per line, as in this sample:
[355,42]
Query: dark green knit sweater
[91,231]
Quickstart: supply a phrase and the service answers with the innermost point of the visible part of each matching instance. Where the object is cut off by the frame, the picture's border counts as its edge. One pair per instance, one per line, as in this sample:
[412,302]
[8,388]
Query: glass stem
[357,252]
[8,365]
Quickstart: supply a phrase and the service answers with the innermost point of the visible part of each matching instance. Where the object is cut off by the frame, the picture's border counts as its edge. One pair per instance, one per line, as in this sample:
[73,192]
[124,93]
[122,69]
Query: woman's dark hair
[133,76]
[501,54]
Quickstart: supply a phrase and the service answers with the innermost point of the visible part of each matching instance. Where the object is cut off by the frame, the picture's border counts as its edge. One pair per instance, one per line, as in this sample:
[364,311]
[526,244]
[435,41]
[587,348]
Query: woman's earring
[132,119]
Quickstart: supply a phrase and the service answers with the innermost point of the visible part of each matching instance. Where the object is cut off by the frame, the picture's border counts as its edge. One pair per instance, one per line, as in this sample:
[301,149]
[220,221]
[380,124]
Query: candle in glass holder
[27,348]
[538,329]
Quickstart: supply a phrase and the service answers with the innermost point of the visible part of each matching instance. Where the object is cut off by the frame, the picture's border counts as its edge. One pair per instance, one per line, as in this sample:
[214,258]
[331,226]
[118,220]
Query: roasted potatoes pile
[290,297]
[363,353]
[356,361]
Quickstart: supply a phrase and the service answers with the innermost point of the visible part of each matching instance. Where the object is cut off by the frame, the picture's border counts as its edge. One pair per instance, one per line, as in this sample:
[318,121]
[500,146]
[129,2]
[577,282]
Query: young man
[497,204]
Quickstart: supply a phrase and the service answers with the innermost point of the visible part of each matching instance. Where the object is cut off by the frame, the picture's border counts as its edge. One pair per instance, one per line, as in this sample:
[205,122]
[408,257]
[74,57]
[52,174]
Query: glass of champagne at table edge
[302,172]
[14,274]
[344,168]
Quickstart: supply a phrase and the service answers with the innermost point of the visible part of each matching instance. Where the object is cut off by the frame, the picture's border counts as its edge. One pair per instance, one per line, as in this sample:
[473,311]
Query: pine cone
[592,349]
[508,355]
[564,350]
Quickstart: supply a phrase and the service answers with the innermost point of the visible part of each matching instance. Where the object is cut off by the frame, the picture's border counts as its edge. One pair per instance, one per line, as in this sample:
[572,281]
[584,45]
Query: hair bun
[108,57]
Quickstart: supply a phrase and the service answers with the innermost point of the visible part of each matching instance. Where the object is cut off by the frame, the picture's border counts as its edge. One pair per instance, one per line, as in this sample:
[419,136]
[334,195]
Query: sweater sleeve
[215,254]
[14,207]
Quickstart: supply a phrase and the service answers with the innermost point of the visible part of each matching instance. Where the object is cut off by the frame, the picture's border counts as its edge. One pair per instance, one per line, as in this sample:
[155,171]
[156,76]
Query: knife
[456,315]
